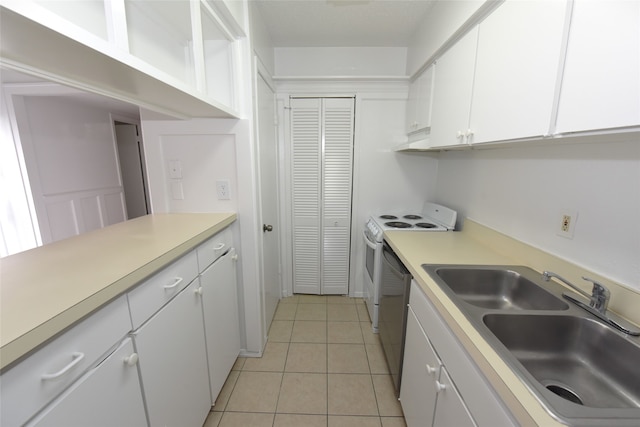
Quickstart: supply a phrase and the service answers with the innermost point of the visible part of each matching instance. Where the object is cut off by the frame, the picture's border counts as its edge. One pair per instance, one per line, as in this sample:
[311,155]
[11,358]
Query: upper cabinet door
[452,92]
[518,58]
[419,103]
[601,84]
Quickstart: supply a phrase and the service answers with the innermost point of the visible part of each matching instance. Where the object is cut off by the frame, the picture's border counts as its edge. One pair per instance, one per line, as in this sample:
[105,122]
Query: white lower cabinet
[441,386]
[222,328]
[108,395]
[173,364]
[428,395]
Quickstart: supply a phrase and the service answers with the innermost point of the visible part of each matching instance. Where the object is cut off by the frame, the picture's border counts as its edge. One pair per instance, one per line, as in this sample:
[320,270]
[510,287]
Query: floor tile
[255,392]
[368,335]
[309,331]
[213,419]
[303,394]
[363,313]
[393,422]
[273,358]
[344,333]
[296,420]
[353,421]
[351,394]
[342,312]
[245,419]
[290,300]
[377,359]
[388,404]
[285,312]
[347,359]
[223,397]
[239,363]
[311,312]
[307,357]
[340,299]
[312,299]
[280,330]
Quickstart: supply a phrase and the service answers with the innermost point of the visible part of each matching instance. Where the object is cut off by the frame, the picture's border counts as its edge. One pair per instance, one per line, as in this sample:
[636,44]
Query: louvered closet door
[322,153]
[306,175]
[336,194]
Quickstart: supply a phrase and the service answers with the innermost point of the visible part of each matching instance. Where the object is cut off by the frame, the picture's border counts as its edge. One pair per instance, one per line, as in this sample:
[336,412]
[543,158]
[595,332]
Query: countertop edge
[21,346]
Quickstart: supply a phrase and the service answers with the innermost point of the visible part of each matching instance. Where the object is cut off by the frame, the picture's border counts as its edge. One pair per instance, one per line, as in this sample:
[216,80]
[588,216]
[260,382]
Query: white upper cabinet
[172,56]
[419,103]
[498,82]
[452,92]
[601,83]
[518,58]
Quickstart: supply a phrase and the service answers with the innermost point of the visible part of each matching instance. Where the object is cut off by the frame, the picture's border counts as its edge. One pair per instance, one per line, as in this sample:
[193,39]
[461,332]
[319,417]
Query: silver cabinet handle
[77,358]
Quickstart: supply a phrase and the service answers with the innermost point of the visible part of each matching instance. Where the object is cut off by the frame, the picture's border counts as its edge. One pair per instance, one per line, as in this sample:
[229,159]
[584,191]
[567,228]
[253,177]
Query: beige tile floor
[322,366]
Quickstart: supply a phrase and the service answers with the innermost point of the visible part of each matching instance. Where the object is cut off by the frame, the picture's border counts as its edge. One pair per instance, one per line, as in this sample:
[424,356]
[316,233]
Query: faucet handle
[599,295]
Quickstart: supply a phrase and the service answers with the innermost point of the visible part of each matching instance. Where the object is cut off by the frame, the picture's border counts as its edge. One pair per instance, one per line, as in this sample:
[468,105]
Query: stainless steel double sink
[584,372]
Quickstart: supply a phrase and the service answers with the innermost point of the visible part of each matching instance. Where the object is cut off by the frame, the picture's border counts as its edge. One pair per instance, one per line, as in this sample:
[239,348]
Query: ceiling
[342,23]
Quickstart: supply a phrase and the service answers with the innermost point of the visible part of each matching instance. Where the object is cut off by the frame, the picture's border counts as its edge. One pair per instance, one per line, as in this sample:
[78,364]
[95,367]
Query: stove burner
[397,224]
[412,217]
[388,217]
[425,225]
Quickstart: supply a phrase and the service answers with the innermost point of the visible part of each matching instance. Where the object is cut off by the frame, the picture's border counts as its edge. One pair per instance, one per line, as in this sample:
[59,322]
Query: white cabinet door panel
[420,370]
[109,395]
[452,91]
[221,321]
[518,58]
[601,83]
[173,364]
[450,409]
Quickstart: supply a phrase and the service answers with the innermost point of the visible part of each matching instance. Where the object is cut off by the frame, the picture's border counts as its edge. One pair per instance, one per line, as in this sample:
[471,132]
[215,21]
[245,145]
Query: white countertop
[45,290]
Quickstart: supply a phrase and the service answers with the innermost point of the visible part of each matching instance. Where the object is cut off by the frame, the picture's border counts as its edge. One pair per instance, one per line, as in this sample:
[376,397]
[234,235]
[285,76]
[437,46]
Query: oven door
[373,250]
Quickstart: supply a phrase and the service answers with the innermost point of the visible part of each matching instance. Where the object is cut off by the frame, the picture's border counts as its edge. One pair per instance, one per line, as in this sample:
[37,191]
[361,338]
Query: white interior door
[130,158]
[268,152]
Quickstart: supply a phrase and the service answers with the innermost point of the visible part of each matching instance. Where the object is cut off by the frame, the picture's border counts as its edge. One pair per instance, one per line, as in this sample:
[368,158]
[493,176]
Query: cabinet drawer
[158,290]
[214,248]
[34,382]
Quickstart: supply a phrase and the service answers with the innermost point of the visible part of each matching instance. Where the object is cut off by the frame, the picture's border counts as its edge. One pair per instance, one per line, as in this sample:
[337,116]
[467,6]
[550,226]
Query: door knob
[266,227]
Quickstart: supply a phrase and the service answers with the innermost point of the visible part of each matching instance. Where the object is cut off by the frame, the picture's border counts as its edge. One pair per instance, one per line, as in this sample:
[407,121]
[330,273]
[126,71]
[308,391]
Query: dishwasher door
[395,282]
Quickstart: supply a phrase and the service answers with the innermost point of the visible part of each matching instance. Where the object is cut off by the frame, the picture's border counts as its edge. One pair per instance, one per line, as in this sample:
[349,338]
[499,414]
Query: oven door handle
[369,243]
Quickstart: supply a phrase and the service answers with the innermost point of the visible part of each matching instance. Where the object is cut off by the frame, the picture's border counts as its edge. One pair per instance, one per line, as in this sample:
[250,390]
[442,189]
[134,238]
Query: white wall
[522,192]
[261,40]
[340,61]
[211,149]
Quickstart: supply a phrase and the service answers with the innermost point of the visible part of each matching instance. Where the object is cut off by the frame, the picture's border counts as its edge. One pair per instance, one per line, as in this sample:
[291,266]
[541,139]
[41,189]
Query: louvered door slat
[306,175]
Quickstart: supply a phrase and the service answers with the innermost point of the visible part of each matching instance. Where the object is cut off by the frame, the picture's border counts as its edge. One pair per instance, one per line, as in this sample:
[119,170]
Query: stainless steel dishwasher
[395,282]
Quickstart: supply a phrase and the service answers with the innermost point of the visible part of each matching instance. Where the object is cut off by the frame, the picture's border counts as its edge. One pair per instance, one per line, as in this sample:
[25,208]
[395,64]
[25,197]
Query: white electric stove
[432,218]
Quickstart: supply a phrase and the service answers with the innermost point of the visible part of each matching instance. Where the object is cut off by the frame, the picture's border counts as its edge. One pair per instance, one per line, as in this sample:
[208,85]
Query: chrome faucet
[598,302]
[599,297]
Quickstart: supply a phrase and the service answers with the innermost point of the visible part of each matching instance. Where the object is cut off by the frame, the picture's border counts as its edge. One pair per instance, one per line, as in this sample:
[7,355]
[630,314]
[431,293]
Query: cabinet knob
[430,369]
[198,291]
[131,360]
[460,134]
[440,387]
[266,228]
[234,257]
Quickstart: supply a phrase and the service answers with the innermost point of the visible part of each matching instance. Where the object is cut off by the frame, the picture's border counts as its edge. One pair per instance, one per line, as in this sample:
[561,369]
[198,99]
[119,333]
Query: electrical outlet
[222,188]
[567,224]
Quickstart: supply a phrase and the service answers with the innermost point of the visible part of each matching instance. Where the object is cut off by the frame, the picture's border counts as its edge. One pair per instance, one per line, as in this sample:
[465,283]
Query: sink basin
[503,289]
[579,359]
[583,372]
